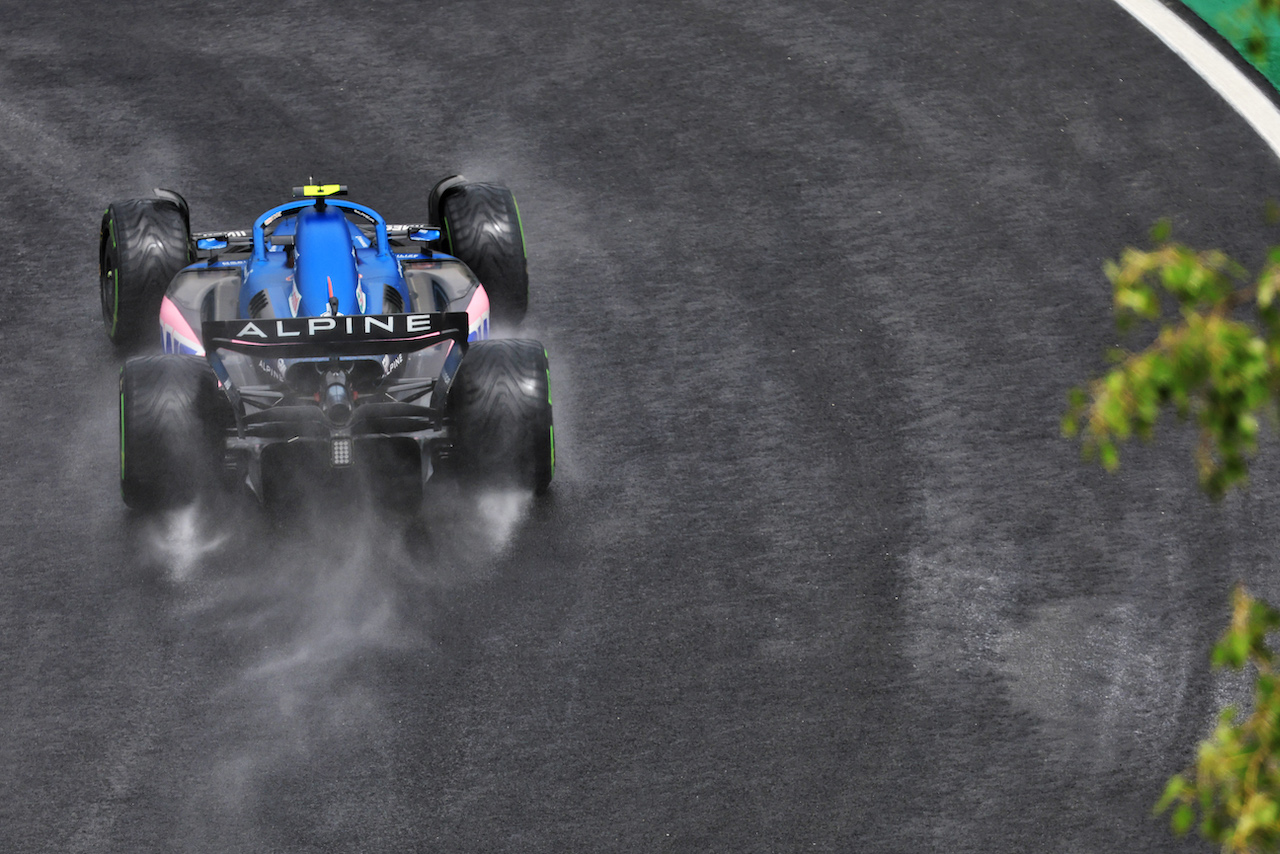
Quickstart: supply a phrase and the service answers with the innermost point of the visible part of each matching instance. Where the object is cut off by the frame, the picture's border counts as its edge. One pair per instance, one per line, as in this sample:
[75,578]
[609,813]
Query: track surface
[817,572]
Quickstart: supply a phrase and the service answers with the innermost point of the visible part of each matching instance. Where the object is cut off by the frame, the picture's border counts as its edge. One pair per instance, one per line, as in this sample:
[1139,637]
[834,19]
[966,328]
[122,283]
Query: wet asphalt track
[817,573]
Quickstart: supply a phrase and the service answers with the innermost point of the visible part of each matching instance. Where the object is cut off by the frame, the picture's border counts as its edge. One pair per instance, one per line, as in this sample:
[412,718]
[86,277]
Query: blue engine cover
[331,257]
[326,262]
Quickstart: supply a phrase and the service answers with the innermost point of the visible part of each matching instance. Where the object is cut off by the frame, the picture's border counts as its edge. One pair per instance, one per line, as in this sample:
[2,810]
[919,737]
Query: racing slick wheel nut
[337,397]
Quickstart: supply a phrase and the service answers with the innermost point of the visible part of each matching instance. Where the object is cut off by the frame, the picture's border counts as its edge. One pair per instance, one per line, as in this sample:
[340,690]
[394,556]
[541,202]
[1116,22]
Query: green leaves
[1234,785]
[1215,359]
[1246,639]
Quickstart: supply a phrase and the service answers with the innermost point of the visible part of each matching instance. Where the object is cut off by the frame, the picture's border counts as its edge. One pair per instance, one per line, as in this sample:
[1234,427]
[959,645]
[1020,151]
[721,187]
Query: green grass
[1239,24]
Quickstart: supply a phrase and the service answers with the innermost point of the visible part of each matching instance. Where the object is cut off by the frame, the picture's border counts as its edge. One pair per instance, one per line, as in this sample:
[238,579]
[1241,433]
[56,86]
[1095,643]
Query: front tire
[500,406]
[143,243]
[172,418]
[482,229]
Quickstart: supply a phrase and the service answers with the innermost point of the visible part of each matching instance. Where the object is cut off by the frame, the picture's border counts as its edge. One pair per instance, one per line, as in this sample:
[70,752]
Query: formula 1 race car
[324,340]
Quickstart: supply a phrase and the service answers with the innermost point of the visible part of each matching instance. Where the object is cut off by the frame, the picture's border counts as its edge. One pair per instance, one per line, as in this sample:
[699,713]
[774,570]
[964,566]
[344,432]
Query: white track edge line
[1227,80]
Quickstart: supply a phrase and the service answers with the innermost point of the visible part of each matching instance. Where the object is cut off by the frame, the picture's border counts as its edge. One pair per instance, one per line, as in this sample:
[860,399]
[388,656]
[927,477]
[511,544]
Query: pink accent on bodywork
[477,310]
[173,323]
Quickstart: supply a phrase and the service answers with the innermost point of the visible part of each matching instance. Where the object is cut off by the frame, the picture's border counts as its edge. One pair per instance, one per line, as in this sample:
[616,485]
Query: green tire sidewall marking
[551,428]
[105,214]
[448,236]
[524,250]
[115,281]
[115,311]
[122,427]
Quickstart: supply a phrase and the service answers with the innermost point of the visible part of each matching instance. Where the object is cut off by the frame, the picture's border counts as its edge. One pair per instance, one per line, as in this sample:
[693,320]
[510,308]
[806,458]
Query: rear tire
[482,229]
[172,422]
[500,406]
[142,245]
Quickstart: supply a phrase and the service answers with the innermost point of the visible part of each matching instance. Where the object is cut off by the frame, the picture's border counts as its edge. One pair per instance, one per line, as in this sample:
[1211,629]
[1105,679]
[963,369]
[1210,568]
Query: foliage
[1235,782]
[1258,14]
[1215,359]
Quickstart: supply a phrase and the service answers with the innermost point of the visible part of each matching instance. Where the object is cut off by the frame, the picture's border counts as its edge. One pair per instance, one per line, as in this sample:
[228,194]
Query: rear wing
[331,337]
[344,335]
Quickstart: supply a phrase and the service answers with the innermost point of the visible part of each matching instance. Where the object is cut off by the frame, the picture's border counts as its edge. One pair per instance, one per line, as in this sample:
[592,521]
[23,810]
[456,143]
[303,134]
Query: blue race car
[324,341]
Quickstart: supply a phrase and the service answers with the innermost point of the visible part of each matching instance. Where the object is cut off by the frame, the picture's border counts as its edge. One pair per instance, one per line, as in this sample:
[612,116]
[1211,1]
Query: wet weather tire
[482,229]
[500,405]
[172,417]
[143,243]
